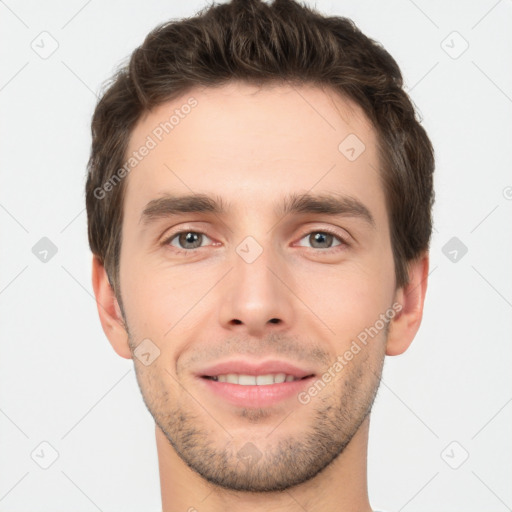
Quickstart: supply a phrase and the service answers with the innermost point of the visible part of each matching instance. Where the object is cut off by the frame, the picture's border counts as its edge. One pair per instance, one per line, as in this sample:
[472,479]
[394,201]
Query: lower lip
[256,396]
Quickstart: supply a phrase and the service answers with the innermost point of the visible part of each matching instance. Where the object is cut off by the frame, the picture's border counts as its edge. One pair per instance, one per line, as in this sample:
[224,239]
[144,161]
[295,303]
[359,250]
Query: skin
[252,146]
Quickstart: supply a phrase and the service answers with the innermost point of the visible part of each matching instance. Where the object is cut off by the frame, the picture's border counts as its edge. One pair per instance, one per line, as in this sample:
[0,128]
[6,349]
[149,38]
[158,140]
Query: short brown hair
[261,43]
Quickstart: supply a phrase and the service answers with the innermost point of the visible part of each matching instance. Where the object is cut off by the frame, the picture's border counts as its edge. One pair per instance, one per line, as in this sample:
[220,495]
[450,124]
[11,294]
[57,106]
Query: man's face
[249,291]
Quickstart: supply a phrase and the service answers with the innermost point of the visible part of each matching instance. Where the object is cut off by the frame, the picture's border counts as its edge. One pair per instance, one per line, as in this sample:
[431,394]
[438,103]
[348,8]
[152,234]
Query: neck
[340,486]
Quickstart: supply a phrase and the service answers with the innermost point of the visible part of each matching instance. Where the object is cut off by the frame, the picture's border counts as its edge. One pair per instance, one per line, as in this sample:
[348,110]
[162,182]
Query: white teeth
[280,377]
[247,380]
[264,379]
[254,380]
[232,378]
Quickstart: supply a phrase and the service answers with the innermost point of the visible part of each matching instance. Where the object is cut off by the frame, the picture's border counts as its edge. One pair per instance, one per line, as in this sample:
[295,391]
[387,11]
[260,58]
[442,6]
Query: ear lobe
[109,311]
[405,324]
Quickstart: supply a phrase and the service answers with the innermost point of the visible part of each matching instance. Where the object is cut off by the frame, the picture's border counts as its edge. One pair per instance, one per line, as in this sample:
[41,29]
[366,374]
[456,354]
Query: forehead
[254,144]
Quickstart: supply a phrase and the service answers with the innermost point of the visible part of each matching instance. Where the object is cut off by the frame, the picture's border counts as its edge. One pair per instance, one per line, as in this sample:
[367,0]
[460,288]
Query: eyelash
[343,243]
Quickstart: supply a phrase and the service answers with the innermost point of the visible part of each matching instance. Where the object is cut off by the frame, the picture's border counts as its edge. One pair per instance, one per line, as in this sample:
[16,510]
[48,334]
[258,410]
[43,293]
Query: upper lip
[245,367]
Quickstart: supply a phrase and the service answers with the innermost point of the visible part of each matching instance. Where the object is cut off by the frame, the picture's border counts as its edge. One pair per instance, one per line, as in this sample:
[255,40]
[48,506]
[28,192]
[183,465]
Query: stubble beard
[273,463]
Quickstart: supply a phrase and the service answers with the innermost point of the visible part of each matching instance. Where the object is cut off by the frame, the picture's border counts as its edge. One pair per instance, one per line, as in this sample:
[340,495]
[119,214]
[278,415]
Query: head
[259,189]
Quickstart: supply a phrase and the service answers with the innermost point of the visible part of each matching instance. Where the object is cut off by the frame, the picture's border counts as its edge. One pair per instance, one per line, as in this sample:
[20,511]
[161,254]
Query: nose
[256,298]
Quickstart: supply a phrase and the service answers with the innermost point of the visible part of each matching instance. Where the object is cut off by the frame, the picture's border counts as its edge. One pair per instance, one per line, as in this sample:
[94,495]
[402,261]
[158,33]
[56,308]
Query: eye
[185,241]
[323,240]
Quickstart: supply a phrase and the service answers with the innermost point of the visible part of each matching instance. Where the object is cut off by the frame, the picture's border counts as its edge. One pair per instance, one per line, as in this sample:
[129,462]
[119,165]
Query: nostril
[274,320]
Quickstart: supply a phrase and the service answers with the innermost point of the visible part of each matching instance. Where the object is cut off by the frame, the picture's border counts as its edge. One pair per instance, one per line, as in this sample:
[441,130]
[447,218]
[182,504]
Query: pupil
[191,238]
[321,238]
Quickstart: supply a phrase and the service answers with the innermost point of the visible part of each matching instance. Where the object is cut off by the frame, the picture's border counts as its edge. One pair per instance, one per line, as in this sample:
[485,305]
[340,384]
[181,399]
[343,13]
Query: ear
[109,311]
[405,324]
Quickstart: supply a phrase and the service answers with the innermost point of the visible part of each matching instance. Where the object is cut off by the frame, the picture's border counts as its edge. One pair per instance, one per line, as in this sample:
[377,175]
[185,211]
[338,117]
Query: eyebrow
[325,203]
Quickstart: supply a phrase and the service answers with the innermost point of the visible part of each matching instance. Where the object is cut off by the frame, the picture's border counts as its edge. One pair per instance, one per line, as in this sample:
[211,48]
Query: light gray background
[60,381]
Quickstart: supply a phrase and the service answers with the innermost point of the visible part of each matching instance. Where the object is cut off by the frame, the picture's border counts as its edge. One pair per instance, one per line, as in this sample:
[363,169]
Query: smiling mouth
[255,380]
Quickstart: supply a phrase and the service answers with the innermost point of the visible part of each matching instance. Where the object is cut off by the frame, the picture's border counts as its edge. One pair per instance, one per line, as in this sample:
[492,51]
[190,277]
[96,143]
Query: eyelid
[178,229]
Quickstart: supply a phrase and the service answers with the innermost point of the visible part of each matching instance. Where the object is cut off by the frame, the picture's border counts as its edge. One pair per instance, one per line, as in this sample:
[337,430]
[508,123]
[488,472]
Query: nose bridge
[252,267]
[254,298]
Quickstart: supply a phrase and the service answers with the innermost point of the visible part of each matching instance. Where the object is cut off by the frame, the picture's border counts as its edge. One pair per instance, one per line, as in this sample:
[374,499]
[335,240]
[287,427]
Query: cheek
[349,298]
[158,297]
